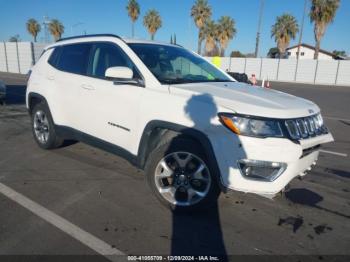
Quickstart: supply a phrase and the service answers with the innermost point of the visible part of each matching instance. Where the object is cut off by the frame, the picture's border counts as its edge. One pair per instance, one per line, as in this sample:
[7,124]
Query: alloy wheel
[182,178]
[41,126]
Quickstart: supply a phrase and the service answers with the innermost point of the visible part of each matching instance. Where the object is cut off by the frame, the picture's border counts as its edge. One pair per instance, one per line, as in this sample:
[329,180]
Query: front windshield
[176,65]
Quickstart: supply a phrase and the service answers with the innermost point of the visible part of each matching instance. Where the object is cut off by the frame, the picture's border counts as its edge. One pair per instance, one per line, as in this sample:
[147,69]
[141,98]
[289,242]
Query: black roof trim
[84,36]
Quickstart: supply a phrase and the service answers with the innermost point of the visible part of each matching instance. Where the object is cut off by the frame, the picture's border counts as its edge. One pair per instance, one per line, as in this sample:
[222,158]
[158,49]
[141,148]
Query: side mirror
[122,75]
[119,73]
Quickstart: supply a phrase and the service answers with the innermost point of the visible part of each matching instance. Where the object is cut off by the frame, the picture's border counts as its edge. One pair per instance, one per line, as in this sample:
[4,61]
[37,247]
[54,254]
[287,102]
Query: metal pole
[336,76]
[278,68]
[7,63]
[316,72]
[261,62]
[301,29]
[296,70]
[259,28]
[229,66]
[32,51]
[19,66]
[245,64]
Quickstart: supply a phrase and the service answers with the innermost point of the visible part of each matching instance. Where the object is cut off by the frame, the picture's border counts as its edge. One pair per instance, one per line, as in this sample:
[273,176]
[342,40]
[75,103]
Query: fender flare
[35,95]
[196,134]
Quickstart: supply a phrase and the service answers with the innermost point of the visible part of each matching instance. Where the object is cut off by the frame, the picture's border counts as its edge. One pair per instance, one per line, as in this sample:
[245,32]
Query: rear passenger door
[111,108]
[71,62]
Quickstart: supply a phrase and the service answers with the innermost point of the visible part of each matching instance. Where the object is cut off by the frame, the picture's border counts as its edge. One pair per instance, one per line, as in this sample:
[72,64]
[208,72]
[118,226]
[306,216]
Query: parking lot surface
[85,200]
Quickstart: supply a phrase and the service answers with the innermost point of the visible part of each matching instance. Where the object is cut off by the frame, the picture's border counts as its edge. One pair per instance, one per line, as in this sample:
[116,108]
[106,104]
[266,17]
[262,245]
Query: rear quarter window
[53,60]
[74,58]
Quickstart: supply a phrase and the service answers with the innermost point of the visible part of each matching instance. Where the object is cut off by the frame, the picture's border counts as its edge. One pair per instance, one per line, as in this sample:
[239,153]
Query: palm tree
[322,13]
[285,29]
[226,31]
[200,12]
[133,8]
[56,29]
[210,34]
[152,21]
[15,38]
[33,27]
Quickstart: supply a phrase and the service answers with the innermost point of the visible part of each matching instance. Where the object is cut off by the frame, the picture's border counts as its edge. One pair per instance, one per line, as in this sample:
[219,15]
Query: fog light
[261,170]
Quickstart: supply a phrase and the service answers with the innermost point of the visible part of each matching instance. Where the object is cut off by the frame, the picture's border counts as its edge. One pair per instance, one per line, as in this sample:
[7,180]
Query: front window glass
[106,55]
[176,65]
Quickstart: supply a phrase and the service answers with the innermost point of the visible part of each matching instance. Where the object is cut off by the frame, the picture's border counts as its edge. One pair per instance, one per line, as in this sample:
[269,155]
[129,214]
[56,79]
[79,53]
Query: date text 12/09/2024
[173,258]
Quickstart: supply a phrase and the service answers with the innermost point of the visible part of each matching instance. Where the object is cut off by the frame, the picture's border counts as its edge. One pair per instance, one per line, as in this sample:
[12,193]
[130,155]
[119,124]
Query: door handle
[87,87]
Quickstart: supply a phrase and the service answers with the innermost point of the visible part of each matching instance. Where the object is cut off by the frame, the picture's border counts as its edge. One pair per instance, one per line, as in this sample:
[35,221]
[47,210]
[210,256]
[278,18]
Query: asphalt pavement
[79,200]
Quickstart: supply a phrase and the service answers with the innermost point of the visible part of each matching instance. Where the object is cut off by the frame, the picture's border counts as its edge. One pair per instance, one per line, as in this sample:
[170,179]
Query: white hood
[250,100]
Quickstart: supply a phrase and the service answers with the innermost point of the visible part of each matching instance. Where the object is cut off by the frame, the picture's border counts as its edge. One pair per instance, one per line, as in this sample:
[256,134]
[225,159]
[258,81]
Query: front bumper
[299,157]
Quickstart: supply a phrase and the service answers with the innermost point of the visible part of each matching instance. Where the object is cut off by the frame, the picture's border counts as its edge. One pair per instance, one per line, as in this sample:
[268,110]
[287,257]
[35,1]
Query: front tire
[43,128]
[179,175]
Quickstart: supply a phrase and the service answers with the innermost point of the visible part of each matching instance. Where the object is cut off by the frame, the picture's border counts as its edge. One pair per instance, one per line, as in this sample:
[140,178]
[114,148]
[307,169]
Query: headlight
[250,126]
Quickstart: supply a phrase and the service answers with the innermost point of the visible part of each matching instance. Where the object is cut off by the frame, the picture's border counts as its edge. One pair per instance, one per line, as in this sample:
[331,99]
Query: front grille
[306,127]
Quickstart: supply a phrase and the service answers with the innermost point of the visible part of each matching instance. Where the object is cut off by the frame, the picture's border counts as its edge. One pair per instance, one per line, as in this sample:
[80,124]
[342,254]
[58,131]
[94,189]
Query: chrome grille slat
[305,127]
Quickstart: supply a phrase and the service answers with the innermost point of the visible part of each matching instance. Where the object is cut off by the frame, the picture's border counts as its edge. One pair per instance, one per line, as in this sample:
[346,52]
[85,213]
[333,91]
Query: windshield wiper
[220,80]
[174,81]
[188,81]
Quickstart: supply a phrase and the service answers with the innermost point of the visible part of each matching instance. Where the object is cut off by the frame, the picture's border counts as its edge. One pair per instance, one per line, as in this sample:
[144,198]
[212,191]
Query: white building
[307,52]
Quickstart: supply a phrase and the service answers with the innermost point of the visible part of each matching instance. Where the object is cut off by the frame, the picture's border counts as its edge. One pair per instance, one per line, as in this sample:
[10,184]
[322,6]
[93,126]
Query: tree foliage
[321,14]
[284,29]
[201,13]
[33,28]
[152,21]
[56,29]
[133,8]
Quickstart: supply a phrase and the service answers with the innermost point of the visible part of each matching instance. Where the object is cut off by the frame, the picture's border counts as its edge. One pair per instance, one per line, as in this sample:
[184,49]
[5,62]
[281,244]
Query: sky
[110,16]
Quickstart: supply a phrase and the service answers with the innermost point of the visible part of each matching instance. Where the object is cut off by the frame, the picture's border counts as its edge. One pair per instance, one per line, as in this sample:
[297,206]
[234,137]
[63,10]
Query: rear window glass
[74,58]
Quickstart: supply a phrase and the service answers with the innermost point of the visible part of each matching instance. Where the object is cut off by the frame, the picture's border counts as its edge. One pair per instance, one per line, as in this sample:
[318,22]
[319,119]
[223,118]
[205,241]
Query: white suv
[192,127]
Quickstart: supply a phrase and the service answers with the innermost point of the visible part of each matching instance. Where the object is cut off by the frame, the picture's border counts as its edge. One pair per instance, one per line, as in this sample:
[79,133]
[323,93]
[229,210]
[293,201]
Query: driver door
[112,110]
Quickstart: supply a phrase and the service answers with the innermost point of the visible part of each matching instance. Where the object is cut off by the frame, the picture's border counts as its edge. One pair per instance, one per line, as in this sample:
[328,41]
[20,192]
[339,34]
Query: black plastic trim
[35,95]
[86,36]
[183,130]
[73,134]
[309,150]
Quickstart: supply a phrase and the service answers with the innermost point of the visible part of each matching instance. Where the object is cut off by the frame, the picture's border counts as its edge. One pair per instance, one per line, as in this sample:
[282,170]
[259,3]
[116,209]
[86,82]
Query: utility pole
[46,29]
[301,29]
[262,2]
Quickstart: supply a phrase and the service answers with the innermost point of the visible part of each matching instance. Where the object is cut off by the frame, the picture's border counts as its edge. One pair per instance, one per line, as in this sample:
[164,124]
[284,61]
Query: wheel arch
[34,99]
[157,131]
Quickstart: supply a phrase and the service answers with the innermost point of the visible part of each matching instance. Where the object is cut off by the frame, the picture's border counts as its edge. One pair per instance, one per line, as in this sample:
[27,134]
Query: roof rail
[83,36]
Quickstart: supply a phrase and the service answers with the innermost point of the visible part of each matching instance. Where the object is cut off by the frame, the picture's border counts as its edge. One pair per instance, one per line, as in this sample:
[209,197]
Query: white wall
[19,57]
[331,72]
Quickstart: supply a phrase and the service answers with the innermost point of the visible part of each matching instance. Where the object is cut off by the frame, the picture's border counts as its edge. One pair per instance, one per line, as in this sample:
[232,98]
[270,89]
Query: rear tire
[179,174]
[43,128]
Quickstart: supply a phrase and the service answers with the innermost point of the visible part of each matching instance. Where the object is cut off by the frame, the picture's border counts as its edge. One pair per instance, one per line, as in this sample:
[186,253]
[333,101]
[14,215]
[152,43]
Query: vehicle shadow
[337,172]
[309,198]
[199,232]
